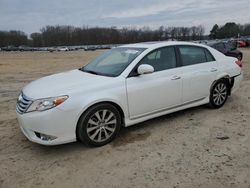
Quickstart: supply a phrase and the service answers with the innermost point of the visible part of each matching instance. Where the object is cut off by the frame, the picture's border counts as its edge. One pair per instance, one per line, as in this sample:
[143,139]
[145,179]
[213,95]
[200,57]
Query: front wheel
[218,94]
[99,125]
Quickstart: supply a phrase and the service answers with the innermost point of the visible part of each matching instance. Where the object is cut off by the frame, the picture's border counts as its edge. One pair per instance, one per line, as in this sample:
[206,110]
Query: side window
[209,56]
[191,55]
[161,59]
[154,55]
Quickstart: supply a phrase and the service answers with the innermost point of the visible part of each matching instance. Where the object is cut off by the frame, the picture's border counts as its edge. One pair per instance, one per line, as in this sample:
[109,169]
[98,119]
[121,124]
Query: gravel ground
[176,150]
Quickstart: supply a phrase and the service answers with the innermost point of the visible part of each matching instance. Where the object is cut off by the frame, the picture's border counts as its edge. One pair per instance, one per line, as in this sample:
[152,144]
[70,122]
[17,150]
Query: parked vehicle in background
[72,48]
[42,49]
[227,48]
[10,48]
[90,48]
[104,47]
[124,86]
[242,44]
[26,48]
[63,49]
[51,49]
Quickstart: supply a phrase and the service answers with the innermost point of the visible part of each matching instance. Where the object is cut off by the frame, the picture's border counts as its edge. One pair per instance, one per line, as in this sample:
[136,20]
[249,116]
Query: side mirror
[145,69]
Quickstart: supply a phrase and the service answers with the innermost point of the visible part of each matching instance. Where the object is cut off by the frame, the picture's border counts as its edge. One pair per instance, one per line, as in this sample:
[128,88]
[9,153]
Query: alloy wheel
[220,94]
[101,125]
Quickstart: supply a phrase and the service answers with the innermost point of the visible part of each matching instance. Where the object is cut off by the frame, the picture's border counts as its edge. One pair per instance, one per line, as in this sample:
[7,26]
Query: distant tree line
[229,30]
[15,38]
[69,35]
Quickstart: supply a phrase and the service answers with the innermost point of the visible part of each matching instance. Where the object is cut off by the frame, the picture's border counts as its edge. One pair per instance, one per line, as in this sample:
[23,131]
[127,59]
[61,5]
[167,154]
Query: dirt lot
[176,150]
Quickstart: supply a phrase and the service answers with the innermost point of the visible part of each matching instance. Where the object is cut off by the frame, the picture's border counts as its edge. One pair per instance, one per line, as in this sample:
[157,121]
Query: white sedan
[124,86]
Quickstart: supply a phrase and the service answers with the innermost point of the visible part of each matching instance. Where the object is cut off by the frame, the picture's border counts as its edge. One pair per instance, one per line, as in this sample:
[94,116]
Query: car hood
[63,84]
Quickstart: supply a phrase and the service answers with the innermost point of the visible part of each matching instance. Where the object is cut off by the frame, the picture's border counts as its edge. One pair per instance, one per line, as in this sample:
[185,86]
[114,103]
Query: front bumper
[53,122]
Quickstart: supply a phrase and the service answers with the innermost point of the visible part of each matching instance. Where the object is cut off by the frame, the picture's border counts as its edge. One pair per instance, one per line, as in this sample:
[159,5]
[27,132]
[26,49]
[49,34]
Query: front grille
[23,103]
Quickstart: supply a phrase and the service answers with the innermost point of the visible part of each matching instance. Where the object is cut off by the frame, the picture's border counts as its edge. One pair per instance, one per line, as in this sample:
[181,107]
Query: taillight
[238,62]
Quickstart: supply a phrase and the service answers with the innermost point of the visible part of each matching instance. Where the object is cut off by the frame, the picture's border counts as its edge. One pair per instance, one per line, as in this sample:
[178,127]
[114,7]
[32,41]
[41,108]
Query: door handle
[175,77]
[213,70]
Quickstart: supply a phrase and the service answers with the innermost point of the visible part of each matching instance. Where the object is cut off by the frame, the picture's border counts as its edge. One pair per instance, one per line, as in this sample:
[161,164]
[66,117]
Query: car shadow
[142,131]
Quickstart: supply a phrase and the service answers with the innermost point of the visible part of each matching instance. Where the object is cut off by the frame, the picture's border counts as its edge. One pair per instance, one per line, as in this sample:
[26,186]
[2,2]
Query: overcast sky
[32,15]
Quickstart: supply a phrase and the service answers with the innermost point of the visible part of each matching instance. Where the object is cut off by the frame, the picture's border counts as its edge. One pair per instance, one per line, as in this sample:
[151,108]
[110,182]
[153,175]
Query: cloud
[31,15]
[149,10]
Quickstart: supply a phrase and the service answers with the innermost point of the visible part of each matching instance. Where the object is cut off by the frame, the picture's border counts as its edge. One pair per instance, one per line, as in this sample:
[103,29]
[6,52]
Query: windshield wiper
[89,71]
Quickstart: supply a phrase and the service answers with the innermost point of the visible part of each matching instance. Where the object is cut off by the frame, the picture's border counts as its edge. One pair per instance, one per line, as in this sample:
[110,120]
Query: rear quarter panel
[226,65]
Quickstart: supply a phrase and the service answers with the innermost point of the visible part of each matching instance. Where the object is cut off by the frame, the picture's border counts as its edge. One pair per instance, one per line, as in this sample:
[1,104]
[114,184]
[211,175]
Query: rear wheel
[99,125]
[219,94]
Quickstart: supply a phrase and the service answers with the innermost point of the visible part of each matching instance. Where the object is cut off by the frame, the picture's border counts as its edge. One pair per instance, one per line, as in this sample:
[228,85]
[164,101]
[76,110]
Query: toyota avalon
[124,86]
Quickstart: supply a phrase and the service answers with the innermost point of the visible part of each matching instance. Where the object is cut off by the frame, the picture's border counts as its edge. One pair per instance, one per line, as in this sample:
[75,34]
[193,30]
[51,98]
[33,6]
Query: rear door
[199,70]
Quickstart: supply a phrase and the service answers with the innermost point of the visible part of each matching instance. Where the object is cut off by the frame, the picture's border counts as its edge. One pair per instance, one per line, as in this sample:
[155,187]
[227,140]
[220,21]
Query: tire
[219,94]
[99,125]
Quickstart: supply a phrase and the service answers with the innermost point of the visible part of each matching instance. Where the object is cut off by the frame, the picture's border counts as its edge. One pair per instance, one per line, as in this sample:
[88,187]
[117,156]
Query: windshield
[113,62]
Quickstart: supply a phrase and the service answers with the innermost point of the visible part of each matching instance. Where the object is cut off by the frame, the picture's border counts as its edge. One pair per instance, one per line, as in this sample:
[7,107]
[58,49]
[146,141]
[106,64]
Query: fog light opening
[45,137]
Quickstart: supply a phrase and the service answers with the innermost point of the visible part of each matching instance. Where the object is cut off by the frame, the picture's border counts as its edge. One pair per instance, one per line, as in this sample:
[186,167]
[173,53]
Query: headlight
[47,103]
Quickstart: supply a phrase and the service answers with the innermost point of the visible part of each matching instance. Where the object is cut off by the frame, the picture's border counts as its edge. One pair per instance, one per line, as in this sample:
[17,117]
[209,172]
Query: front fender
[77,104]
[92,102]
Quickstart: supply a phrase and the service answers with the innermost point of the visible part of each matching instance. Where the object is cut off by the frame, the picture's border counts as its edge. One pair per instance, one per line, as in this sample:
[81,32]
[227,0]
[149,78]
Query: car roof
[158,44]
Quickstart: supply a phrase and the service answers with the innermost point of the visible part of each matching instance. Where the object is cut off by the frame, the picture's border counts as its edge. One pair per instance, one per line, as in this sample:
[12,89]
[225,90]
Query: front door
[158,91]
